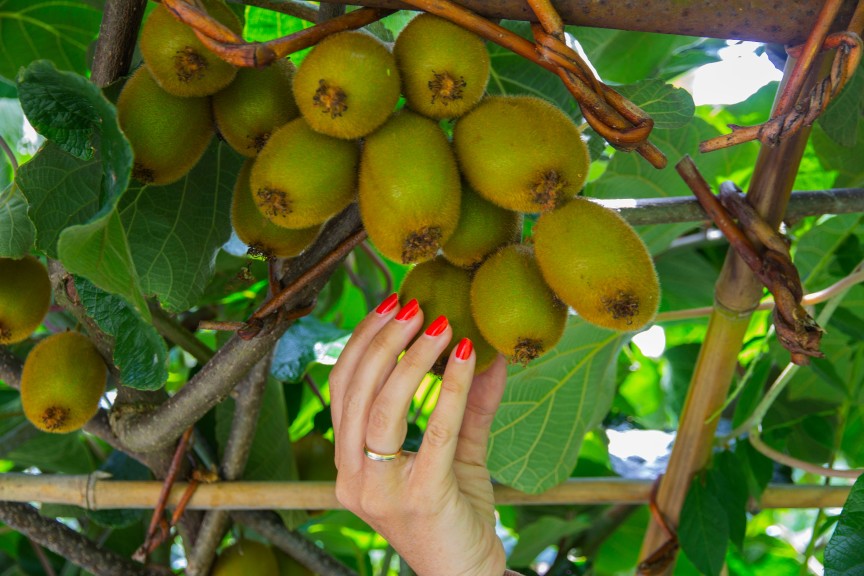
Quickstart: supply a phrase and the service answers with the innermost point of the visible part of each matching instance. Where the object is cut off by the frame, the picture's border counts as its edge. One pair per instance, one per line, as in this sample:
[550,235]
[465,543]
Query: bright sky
[735,78]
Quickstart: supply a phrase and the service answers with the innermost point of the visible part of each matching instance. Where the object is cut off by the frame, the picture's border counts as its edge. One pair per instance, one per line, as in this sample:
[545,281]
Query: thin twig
[43,558]
[380,264]
[313,386]
[757,442]
[9,154]
[293,543]
[174,332]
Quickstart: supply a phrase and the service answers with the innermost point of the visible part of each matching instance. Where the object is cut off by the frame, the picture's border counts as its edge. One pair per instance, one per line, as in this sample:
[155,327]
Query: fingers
[378,360]
[387,425]
[435,458]
[483,401]
[353,352]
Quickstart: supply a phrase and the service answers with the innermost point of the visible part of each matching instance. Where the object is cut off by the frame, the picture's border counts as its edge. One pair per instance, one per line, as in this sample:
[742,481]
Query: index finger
[354,351]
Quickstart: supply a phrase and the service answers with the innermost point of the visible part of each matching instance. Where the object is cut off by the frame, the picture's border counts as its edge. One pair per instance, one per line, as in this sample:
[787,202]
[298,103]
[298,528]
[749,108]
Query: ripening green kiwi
[254,105]
[263,237]
[596,263]
[444,68]
[442,288]
[245,558]
[168,134]
[513,307]
[348,85]
[62,382]
[521,153]
[179,62]
[288,566]
[301,177]
[409,188]
[25,295]
[482,228]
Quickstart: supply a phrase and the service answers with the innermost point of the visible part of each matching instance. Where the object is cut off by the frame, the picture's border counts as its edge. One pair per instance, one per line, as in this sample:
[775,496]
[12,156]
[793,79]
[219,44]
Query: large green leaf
[17,234]
[668,106]
[847,105]
[58,29]
[308,340]
[175,231]
[71,111]
[62,191]
[703,531]
[818,252]
[139,351]
[844,554]
[845,161]
[99,251]
[549,405]
[271,454]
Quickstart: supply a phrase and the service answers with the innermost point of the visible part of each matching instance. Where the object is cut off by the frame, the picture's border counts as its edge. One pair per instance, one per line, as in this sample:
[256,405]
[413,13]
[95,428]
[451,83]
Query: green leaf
[139,351]
[728,483]
[549,405]
[100,252]
[817,251]
[513,74]
[539,535]
[668,106]
[847,105]
[625,57]
[703,531]
[308,340]
[844,554]
[72,112]
[619,553]
[62,191]
[34,29]
[17,234]
[271,454]
[846,162]
[175,231]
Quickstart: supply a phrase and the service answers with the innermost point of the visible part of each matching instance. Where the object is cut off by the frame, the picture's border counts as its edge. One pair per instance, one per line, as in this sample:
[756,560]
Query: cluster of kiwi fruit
[442,182]
[64,375]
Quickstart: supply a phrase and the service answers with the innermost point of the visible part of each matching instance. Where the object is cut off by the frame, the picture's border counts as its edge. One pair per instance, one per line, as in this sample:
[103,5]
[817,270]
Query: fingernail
[464,349]
[388,304]
[408,311]
[437,327]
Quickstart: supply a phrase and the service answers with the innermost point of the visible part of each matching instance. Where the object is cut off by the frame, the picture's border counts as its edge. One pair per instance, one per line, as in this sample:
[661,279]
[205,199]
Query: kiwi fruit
[513,307]
[254,105]
[288,566]
[25,295]
[348,85]
[302,177]
[521,152]
[264,238]
[179,62]
[168,134]
[482,228]
[444,68]
[62,382]
[409,191]
[245,558]
[315,457]
[444,289]
[596,263]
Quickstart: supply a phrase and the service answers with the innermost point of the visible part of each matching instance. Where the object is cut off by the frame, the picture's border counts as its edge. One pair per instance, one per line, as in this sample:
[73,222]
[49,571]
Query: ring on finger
[378,457]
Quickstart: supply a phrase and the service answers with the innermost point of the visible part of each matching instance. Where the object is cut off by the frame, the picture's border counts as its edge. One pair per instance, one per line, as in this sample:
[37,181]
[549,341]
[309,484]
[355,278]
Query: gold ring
[380,457]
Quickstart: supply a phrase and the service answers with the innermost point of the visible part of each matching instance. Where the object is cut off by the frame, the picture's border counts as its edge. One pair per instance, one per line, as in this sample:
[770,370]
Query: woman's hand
[436,506]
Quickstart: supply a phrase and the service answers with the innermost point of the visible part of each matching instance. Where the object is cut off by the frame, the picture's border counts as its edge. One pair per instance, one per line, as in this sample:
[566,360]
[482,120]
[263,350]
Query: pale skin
[436,506]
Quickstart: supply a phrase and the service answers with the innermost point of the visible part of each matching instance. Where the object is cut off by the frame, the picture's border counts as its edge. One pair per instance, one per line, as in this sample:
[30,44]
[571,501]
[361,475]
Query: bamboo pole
[95,492]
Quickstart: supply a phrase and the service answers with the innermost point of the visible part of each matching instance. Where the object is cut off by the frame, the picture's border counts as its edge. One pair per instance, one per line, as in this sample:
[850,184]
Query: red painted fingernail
[464,349]
[408,311]
[437,327]
[388,304]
